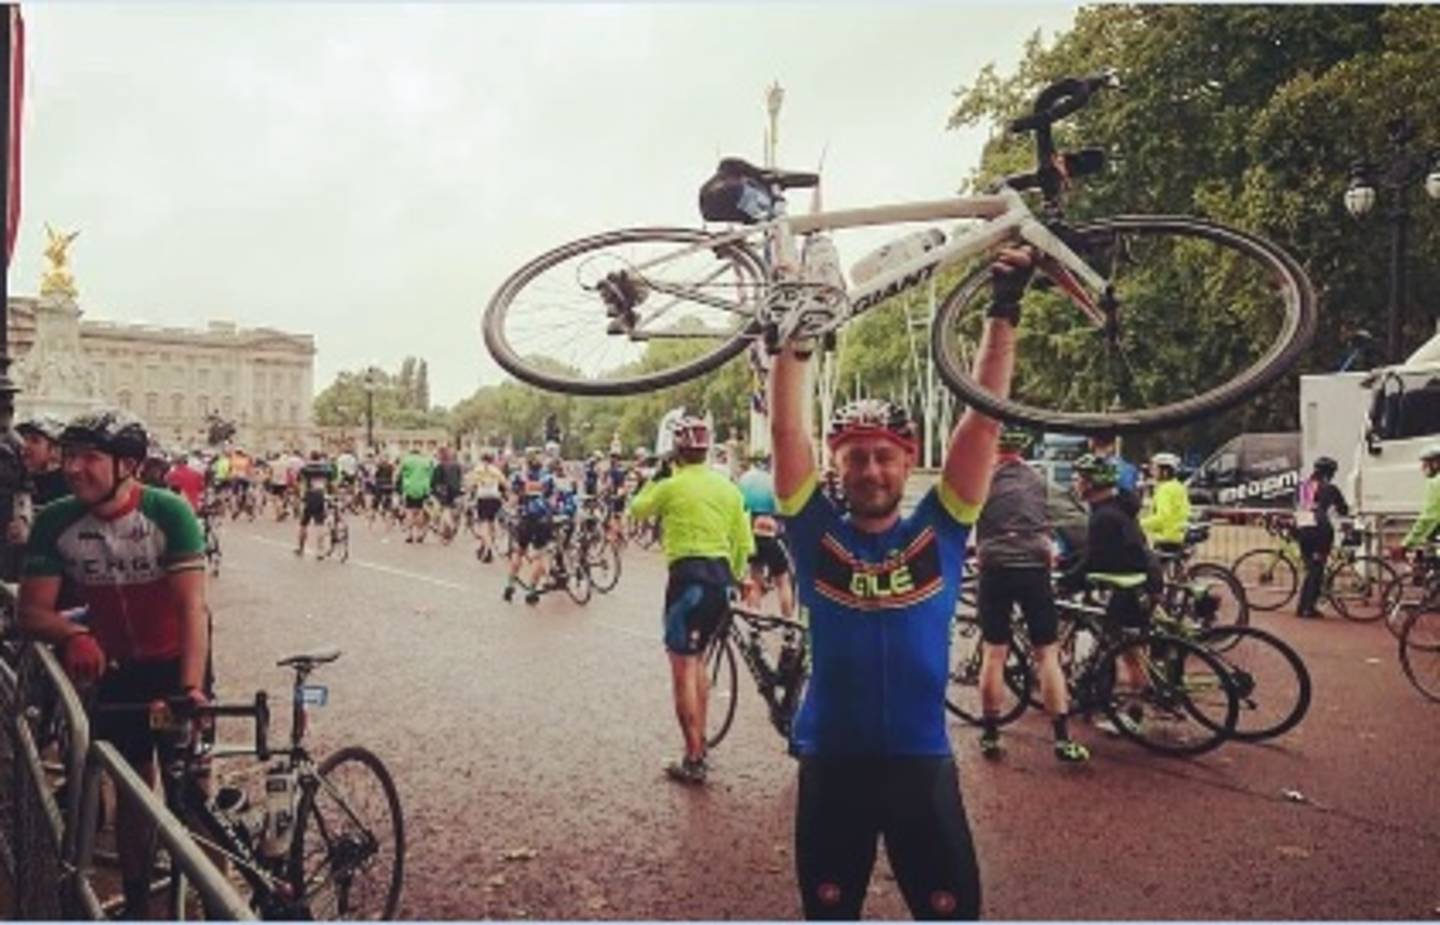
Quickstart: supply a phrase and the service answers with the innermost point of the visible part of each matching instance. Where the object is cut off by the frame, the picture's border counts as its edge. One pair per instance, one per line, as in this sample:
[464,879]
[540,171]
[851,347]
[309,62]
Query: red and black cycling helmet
[113,431]
[872,417]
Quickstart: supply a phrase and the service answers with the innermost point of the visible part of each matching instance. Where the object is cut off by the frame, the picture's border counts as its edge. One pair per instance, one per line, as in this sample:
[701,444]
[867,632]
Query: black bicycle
[323,841]
[334,539]
[780,681]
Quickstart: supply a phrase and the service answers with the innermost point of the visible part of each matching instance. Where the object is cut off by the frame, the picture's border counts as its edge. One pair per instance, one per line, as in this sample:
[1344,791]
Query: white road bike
[1154,320]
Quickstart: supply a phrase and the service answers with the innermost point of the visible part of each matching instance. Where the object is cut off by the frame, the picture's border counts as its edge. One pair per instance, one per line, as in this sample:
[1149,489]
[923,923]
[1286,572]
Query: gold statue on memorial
[57,280]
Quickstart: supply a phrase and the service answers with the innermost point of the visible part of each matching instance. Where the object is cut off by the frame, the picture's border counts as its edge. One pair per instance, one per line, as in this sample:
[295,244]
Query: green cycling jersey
[1429,519]
[702,515]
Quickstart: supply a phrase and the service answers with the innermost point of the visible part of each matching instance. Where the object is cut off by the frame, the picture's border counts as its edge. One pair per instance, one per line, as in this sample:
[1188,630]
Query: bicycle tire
[1109,240]
[1234,605]
[1357,586]
[344,544]
[962,687]
[320,805]
[1233,646]
[1269,577]
[577,579]
[724,688]
[546,371]
[1403,596]
[1174,694]
[324,543]
[1420,651]
[604,565]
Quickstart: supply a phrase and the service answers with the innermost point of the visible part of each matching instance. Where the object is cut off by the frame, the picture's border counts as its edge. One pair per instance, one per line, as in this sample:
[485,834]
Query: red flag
[17,93]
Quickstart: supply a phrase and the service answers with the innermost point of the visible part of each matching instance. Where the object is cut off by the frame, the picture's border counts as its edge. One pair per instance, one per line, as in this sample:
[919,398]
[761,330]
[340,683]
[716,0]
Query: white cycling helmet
[1169,460]
[1431,451]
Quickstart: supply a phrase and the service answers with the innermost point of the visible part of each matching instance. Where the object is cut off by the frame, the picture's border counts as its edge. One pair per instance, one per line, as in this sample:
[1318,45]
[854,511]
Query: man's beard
[885,504]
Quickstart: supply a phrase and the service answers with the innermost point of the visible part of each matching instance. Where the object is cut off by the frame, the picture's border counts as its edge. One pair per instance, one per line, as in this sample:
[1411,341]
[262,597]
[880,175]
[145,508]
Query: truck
[1249,470]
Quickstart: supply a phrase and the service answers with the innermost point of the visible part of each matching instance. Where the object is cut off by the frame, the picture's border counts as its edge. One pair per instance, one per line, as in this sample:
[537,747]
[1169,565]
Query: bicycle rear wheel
[1271,680]
[1187,705]
[348,857]
[1269,578]
[1170,275]
[686,305]
[1420,651]
[962,692]
[724,688]
[1232,608]
[1357,588]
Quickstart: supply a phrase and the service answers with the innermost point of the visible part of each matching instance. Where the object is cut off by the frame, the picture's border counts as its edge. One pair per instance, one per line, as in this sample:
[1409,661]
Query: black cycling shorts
[414,504]
[533,533]
[129,684]
[845,803]
[486,509]
[314,510]
[770,554]
[1001,589]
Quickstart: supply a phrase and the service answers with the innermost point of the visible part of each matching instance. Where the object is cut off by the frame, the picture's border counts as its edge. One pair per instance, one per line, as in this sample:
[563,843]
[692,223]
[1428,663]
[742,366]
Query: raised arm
[789,437]
[970,457]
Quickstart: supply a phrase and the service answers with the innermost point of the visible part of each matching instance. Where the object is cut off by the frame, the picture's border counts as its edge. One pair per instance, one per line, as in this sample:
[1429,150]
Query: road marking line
[375,566]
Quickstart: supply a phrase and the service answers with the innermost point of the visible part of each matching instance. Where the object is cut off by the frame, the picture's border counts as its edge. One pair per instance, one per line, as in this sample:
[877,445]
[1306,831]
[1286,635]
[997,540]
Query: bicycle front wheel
[602,559]
[1269,578]
[1169,695]
[1144,368]
[724,689]
[1232,607]
[348,857]
[681,303]
[1420,651]
[1357,588]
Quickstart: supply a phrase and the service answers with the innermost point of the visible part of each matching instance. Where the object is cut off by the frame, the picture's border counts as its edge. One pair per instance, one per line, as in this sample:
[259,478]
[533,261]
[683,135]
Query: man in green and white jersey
[416,471]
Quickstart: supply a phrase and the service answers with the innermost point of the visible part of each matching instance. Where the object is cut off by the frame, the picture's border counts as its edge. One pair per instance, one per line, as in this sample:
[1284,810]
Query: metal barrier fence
[1235,531]
[50,775]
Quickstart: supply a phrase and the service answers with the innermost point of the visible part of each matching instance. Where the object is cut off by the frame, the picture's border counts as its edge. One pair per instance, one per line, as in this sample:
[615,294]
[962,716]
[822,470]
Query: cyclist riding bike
[136,556]
[534,487]
[881,591]
[706,539]
[1169,514]
[315,479]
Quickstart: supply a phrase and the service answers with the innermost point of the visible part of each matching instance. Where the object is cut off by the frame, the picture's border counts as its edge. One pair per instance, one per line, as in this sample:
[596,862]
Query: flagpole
[12,471]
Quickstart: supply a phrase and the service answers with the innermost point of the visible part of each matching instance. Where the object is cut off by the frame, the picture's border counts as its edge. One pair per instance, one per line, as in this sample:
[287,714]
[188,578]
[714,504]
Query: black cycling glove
[1007,287]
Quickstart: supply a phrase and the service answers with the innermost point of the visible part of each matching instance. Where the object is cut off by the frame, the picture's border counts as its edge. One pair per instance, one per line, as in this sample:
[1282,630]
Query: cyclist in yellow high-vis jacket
[1169,504]
[1429,520]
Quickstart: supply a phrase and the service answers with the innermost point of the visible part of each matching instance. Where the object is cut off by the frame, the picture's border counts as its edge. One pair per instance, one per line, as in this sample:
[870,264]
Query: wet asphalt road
[509,727]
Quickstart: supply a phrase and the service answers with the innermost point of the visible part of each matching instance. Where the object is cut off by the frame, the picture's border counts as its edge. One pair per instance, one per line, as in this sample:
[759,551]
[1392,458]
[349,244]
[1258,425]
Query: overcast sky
[369,174]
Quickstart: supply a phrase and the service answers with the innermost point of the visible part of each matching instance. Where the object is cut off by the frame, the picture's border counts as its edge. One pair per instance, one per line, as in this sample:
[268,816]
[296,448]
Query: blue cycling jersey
[880,608]
[535,487]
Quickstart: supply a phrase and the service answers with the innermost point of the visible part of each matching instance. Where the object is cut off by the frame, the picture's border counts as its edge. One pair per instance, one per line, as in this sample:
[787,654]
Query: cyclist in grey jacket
[1013,538]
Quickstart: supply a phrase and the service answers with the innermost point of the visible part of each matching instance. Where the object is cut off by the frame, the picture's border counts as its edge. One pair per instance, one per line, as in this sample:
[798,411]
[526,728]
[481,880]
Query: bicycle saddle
[1124,580]
[319,657]
[784,179]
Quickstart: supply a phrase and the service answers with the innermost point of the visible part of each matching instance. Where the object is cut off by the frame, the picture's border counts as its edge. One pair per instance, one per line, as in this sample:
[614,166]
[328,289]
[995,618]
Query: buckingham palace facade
[260,378]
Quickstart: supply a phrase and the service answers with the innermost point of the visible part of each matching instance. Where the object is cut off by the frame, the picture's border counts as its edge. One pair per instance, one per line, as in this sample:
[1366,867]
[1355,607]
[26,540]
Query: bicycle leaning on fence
[1106,291]
[325,840]
[1356,585]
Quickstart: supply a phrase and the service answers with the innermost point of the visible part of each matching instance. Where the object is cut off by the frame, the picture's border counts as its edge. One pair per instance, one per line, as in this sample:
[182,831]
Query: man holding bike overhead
[706,538]
[136,555]
[881,591]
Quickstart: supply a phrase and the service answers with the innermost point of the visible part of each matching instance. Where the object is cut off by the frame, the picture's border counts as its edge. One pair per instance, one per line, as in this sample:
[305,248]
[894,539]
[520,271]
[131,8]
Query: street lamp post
[370,408]
[1404,169]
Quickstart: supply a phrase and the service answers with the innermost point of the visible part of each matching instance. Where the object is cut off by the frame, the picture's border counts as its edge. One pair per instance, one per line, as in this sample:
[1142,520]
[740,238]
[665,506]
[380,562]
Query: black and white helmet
[109,430]
[872,417]
[45,425]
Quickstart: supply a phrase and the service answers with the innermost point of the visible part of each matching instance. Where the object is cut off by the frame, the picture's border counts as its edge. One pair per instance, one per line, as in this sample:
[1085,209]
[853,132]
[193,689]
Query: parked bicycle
[1354,584]
[780,679]
[1108,289]
[325,840]
[1184,703]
